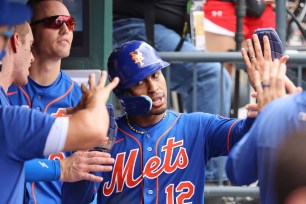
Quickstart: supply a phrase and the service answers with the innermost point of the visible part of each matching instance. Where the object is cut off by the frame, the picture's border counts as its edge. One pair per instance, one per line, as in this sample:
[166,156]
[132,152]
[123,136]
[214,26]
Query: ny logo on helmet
[137,57]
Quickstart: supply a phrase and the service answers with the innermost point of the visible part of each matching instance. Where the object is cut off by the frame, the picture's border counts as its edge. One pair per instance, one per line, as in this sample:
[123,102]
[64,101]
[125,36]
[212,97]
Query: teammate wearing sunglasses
[50,90]
[25,134]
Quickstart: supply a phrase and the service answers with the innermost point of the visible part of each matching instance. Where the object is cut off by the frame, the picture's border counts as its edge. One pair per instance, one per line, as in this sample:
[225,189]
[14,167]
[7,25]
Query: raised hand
[78,166]
[96,93]
[254,58]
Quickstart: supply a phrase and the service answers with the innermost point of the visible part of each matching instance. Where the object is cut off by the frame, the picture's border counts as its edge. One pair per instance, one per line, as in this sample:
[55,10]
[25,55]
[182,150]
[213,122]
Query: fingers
[84,88]
[291,88]
[246,58]
[280,81]
[254,94]
[298,89]
[79,165]
[113,84]
[69,111]
[284,59]
[266,73]
[103,79]
[267,49]
[252,110]
[257,48]
[92,80]
[92,177]
[251,50]
[274,73]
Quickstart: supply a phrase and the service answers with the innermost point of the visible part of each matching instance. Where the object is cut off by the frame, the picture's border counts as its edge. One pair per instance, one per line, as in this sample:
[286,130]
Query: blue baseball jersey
[4,101]
[164,165]
[23,135]
[52,99]
[253,158]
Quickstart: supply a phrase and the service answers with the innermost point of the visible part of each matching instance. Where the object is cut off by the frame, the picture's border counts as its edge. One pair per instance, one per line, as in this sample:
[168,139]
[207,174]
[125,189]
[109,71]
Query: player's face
[155,87]
[24,59]
[51,42]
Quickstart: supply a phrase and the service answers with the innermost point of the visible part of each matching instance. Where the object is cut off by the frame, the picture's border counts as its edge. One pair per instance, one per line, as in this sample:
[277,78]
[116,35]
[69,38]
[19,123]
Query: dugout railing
[296,61]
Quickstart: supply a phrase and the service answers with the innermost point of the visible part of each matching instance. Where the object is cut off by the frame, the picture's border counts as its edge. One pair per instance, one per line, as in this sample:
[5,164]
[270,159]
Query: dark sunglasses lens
[57,22]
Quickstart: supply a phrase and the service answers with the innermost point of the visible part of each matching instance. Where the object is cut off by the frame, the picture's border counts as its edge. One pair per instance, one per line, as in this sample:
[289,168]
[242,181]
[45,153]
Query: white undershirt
[57,136]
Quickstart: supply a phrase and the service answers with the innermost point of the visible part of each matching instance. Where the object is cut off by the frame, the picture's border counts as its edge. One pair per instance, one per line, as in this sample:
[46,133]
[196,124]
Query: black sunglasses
[56,22]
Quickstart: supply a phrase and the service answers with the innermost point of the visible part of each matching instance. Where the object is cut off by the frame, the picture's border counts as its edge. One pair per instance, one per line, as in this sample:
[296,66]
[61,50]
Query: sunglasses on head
[7,33]
[56,22]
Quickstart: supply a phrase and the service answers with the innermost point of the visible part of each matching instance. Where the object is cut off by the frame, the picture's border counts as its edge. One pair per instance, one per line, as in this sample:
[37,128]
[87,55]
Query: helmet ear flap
[134,105]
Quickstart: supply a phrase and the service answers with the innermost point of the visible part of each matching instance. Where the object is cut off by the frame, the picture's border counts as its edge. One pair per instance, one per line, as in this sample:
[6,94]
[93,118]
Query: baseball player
[27,134]
[50,90]
[160,155]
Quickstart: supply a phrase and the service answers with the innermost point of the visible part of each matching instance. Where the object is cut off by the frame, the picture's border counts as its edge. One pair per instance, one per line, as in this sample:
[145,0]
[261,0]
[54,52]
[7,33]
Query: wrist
[61,169]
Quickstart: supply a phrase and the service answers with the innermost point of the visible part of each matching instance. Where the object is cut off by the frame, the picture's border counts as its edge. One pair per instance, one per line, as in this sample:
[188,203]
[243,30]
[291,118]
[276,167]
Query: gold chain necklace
[135,130]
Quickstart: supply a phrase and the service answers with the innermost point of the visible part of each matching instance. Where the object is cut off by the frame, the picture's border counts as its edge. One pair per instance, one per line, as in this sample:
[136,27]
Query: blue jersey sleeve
[42,170]
[29,141]
[241,166]
[223,133]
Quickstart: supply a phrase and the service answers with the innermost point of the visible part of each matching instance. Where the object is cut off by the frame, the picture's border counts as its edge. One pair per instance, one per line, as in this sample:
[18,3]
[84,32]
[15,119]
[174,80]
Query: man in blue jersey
[26,134]
[160,155]
[50,90]
[253,158]
[18,58]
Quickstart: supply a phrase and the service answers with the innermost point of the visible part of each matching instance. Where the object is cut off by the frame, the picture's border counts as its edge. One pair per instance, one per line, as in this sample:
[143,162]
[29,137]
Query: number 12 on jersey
[185,191]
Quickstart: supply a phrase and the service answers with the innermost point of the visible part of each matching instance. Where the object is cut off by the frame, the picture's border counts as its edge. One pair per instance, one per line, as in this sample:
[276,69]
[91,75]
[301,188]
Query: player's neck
[6,74]
[145,120]
[44,72]
[5,81]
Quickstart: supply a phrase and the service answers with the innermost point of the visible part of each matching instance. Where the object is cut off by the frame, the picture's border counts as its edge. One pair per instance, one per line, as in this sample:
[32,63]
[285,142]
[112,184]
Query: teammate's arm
[241,166]
[42,170]
[89,123]
[74,168]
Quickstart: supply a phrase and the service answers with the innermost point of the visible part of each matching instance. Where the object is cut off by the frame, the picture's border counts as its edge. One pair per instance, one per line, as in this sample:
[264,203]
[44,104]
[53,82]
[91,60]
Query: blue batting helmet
[132,62]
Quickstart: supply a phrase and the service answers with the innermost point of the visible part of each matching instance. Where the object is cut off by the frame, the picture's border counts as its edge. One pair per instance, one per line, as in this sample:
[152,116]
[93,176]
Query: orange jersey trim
[59,98]
[26,95]
[229,136]
[33,193]
[11,93]
[140,149]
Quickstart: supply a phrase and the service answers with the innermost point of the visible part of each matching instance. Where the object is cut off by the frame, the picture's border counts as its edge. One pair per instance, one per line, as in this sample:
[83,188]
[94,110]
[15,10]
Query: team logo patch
[137,57]
[59,113]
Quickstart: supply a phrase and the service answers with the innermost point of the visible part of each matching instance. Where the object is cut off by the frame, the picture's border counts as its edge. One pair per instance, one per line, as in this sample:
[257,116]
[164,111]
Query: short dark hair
[290,166]
[33,4]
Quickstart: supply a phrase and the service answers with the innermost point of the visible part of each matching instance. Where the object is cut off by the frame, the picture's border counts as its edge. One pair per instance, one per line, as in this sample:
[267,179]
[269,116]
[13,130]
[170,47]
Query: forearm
[42,170]
[239,129]
[241,166]
[86,130]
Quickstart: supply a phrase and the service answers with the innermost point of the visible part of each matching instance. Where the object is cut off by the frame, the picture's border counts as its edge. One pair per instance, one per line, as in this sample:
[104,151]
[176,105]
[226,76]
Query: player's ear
[14,40]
